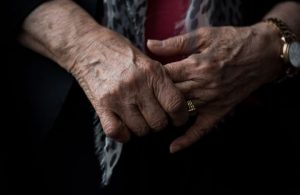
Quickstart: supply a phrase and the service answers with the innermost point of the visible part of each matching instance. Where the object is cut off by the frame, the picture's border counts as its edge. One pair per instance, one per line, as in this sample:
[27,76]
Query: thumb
[205,121]
[200,128]
[179,45]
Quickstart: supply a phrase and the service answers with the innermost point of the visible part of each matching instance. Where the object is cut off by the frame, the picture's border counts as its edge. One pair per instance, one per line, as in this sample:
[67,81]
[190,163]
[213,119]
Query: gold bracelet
[287,37]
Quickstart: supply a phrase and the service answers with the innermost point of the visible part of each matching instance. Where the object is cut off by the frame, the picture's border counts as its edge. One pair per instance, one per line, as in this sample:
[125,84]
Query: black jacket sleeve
[37,86]
[253,11]
[16,11]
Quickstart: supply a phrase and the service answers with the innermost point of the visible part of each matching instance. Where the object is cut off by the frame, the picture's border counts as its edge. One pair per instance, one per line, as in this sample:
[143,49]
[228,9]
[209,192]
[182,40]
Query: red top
[162,17]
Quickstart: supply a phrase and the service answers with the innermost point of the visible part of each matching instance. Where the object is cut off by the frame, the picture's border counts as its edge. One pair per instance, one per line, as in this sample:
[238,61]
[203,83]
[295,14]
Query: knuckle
[209,67]
[136,124]
[174,42]
[174,104]
[204,32]
[112,130]
[158,123]
[153,67]
[179,43]
[193,59]
[142,131]
[207,35]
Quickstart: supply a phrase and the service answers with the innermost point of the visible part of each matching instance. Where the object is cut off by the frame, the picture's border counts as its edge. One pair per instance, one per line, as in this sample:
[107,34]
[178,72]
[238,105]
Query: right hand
[129,91]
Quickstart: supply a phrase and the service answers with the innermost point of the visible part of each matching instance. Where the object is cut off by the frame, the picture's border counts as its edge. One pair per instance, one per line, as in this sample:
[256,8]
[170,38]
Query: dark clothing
[256,150]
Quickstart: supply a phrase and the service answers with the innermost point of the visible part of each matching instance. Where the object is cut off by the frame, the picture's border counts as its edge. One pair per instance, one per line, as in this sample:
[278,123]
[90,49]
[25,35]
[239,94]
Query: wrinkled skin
[223,66]
[130,92]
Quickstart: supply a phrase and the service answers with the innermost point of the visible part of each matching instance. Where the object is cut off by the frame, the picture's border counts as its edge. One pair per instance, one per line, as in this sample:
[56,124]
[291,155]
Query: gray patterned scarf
[128,17]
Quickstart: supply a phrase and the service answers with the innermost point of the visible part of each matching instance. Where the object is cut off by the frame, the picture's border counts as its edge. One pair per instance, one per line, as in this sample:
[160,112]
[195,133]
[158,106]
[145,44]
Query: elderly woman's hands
[224,65]
[130,92]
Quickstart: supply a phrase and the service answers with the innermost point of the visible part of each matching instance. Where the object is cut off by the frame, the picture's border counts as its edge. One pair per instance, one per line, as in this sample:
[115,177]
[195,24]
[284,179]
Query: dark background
[255,151]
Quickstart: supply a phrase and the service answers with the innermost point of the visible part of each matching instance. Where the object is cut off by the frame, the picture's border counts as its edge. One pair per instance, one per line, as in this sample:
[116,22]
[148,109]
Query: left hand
[223,67]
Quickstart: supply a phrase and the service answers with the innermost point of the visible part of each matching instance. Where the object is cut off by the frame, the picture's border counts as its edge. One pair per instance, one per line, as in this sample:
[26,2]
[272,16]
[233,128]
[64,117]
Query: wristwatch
[290,52]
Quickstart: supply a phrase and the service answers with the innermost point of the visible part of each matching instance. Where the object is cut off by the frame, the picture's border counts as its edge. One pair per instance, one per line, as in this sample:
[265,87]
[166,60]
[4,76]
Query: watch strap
[287,37]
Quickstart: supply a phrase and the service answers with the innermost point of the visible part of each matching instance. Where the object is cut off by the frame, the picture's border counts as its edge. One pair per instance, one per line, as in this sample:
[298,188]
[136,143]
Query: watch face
[294,54]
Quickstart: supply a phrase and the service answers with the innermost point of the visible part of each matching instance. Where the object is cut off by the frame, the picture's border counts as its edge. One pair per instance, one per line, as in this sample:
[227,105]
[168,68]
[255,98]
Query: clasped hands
[132,93]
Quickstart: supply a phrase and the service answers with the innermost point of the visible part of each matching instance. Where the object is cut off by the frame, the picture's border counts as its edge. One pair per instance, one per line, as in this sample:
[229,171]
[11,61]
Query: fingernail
[155,43]
[174,148]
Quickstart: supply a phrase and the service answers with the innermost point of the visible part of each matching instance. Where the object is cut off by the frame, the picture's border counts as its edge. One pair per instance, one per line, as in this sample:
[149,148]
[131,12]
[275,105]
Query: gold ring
[191,106]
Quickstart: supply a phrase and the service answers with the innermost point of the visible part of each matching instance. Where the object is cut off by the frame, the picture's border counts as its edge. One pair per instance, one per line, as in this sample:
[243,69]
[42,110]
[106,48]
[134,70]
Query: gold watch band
[287,37]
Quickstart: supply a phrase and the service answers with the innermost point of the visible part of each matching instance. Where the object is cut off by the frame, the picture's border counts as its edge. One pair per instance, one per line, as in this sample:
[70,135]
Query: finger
[198,104]
[204,122]
[178,45]
[153,113]
[204,94]
[113,127]
[178,71]
[187,86]
[190,68]
[172,101]
[134,120]
[192,135]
